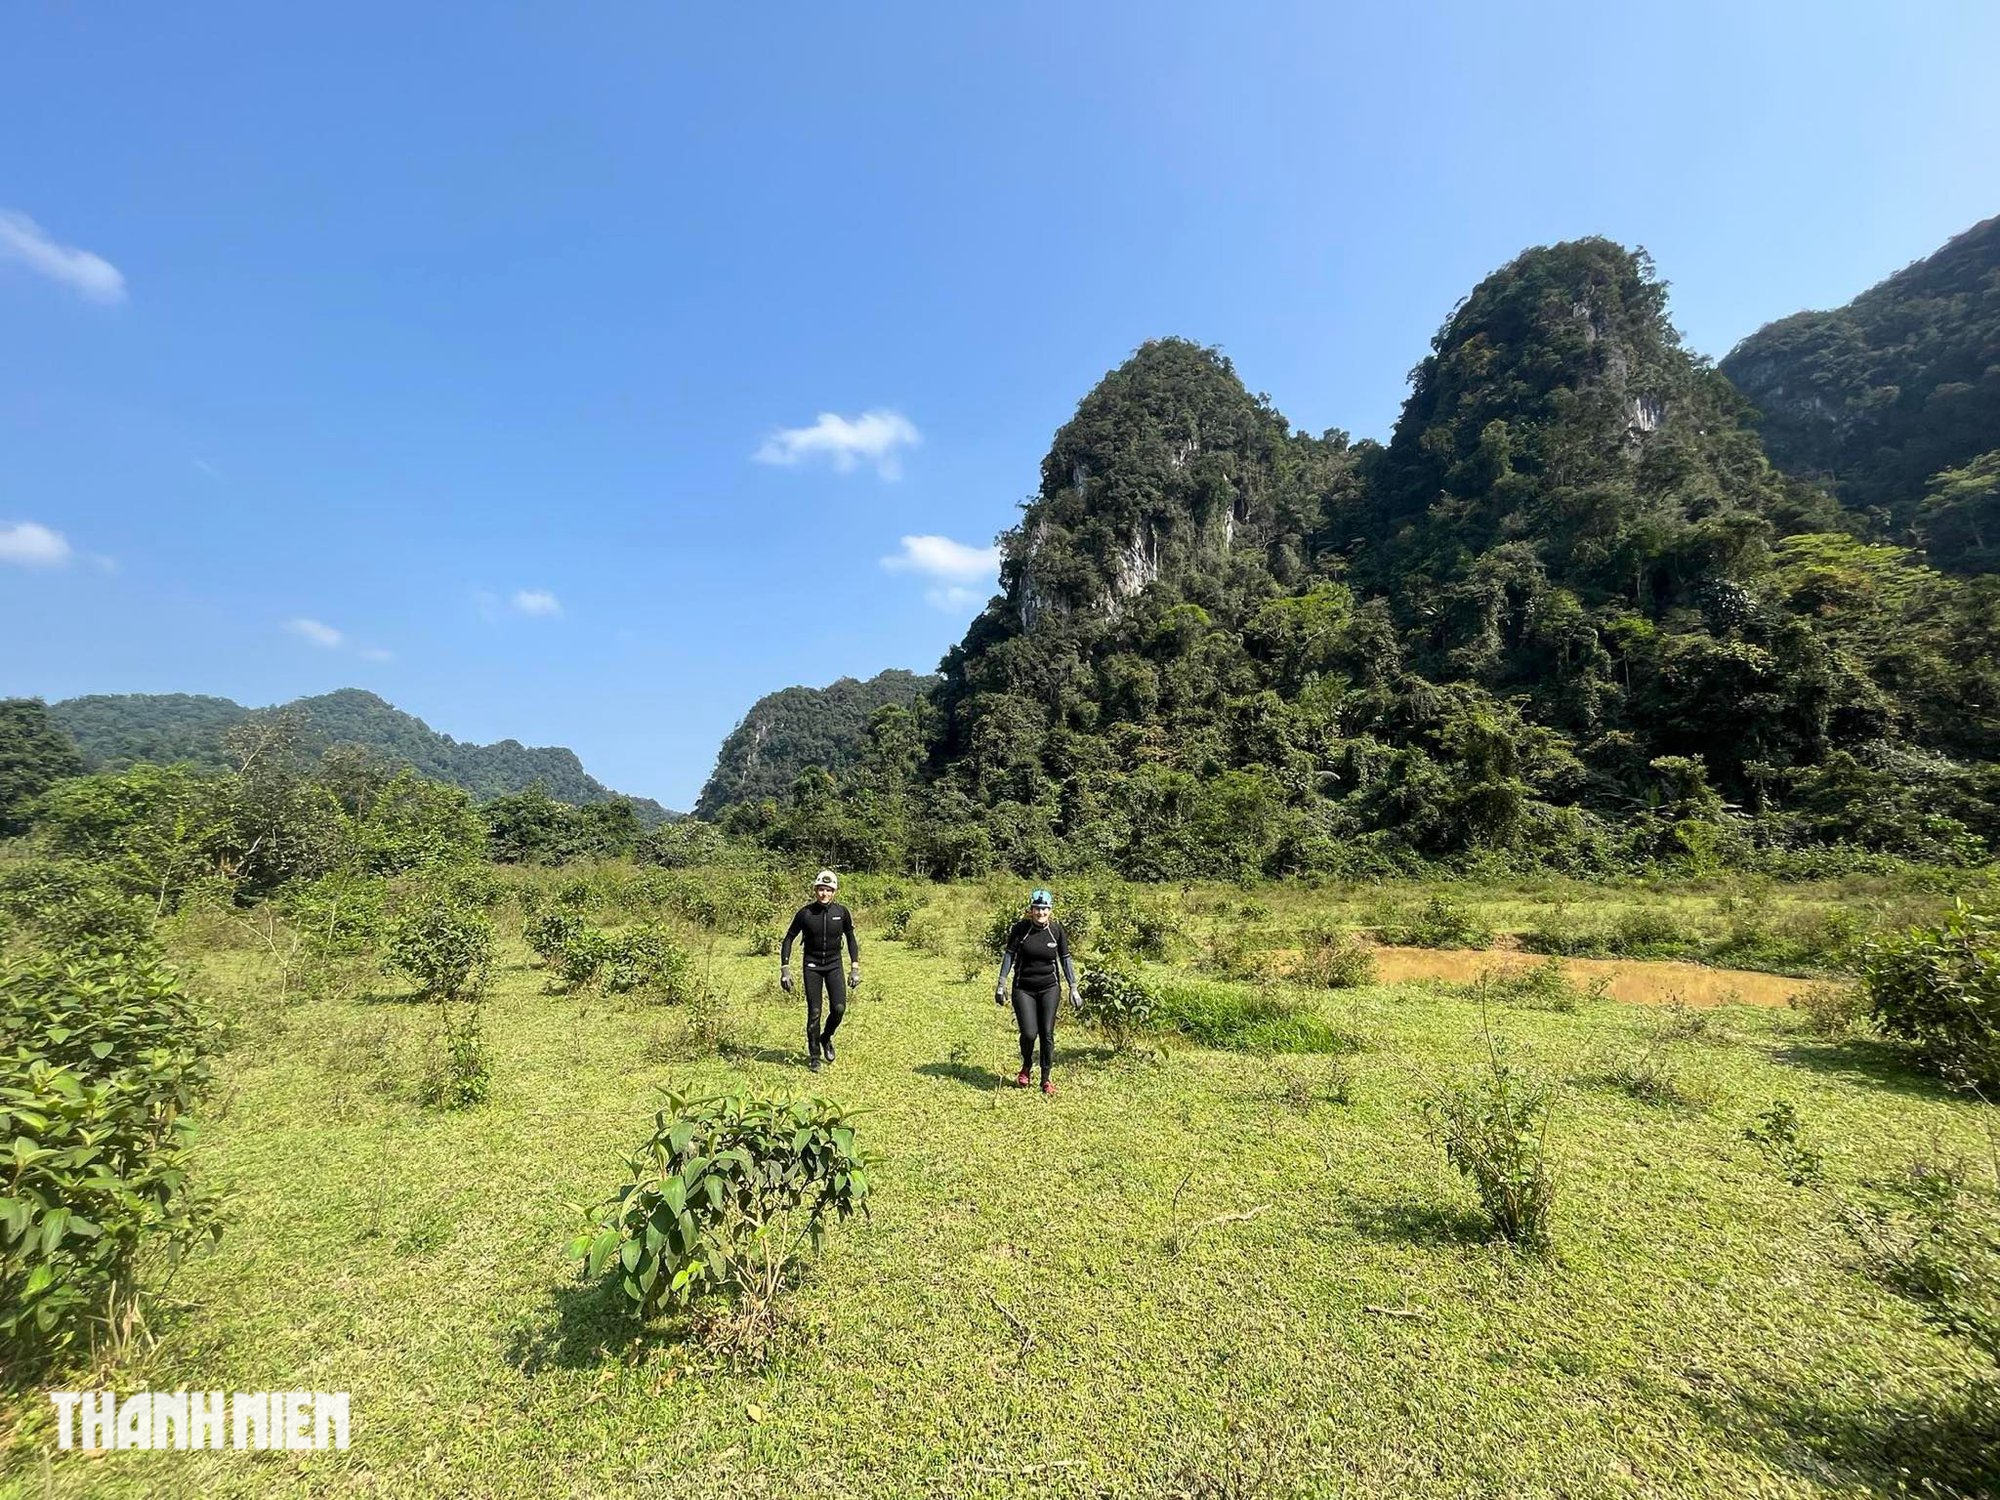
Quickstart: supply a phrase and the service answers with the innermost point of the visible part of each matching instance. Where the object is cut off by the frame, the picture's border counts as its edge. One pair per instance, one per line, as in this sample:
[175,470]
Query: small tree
[1494,1128]
[1938,988]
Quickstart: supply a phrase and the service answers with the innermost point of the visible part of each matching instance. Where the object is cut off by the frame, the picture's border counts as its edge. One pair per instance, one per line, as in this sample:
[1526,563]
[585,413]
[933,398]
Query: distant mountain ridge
[797,727]
[113,730]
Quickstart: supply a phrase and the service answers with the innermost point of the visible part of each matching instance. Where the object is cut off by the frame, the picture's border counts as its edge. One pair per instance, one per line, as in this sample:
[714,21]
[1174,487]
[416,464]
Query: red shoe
[1048,1088]
[1021,1079]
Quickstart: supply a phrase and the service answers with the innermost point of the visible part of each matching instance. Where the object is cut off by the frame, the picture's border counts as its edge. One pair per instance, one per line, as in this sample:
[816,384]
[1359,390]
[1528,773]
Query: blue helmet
[1040,897]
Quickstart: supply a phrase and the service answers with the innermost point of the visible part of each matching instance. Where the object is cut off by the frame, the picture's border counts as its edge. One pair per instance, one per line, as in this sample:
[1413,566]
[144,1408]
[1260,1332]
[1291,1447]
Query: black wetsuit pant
[1035,1014]
[834,983]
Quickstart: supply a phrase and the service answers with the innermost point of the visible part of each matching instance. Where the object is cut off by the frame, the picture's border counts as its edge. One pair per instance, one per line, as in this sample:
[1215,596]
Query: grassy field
[1342,1325]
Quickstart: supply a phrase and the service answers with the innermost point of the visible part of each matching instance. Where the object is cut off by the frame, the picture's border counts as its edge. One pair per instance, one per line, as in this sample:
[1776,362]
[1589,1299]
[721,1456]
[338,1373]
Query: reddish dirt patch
[1636,981]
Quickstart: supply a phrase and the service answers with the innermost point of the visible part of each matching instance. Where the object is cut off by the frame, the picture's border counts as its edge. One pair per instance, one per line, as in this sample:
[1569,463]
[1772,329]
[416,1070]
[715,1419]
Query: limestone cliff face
[1169,466]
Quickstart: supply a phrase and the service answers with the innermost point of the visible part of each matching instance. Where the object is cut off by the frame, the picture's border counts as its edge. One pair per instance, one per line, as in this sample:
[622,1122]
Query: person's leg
[1045,1007]
[836,1007]
[1029,1023]
[814,979]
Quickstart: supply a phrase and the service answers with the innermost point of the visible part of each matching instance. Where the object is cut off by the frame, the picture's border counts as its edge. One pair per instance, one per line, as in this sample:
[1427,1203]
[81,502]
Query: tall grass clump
[1330,959]
[1242,1018]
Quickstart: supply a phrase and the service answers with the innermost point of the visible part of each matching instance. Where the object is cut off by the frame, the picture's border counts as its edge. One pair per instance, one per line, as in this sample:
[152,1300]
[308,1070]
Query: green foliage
[1937,988]
[1333,959]
[103,1057]
[1778,1132]
[415,824]
[120,730]
[457,1074]
[785,732]
[1934,1236]
[549,931]
[1542,986]
[1441,922]
[649,960]
[1118,1006]
[445,945]
[725,1199]
[1241,1018]
[69,908]
[1494,1128]
[1878,396]
[581,957]
[35,754]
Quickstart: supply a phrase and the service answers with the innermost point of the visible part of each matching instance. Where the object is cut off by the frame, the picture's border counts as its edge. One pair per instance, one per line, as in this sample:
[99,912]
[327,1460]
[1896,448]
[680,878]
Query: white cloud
[537,602]
[872,437]
[319,634]
[952,598]
[941,557]
[91,276]
[30,545]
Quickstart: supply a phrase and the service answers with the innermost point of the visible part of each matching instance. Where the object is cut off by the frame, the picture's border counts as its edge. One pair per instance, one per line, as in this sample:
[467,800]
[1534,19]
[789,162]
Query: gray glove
[854,976]
[785,978]
[999,996]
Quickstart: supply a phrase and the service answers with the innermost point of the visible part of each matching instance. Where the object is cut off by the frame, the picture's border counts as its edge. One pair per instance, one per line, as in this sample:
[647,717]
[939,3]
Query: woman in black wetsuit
[1037,949]
[824,923]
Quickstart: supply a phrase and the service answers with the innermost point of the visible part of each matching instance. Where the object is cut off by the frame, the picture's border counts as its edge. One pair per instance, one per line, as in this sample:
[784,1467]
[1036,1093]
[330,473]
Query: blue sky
[568,372]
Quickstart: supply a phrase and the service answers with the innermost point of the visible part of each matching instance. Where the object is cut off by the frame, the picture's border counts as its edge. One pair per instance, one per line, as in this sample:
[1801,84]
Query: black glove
[785,978]
[999,997]
[854,976]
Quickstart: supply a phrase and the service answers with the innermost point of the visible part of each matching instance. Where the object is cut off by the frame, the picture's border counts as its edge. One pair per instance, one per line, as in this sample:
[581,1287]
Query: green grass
[1700,1330]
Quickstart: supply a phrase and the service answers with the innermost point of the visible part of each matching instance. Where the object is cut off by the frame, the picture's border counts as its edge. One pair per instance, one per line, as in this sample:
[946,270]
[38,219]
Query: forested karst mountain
[1879,398]
[115,730]
[1569,615]
[797,727]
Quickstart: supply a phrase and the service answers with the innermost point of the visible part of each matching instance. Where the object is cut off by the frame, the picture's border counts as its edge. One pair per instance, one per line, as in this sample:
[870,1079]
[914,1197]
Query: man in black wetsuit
[823,923]
[1036,948]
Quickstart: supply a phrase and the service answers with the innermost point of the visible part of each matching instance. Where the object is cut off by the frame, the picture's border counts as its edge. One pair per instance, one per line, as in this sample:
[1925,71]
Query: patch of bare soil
[1636,981]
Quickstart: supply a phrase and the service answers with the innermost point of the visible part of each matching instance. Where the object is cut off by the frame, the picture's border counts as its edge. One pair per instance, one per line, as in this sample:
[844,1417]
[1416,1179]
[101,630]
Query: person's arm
[1063,957]
[1006,963]
[791,935]
[853,942]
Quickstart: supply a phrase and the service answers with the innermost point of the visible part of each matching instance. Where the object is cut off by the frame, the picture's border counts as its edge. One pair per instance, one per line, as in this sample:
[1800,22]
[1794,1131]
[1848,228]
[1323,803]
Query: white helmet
[828,879]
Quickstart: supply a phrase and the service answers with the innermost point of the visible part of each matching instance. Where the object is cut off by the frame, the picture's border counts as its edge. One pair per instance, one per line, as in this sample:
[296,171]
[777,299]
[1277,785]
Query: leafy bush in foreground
[105,1055]
[1333,960]
[1117,1005]
[1938,988]
[549,931]
[649,960]
[726,1199]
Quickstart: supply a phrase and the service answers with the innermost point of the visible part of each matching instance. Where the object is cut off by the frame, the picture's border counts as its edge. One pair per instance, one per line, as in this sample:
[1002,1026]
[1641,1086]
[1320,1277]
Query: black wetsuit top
[1039,953]
[822,928]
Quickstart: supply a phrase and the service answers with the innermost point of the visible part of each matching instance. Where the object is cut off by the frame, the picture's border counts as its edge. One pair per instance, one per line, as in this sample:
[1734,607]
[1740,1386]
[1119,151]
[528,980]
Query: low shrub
[104,1056]
[1330,959]
[1542,986]
[725,1201]
[582,957]
[445,945]
[1117,1005]
[456,1072]
[549,931]
[1440,922]
[1650,1075]
[68,908]
[1242,1018]
[649,960]
[1937,988]
[1777,1132]
[1494,1128]
[1831,1010]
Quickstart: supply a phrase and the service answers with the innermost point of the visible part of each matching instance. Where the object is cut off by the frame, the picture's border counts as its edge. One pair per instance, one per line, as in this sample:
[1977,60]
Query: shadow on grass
[781,1056]
[1949,1447]
[581,1326]
[1861,1060]
[969,1074]
[1418,1221]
